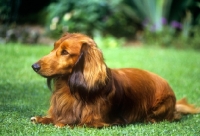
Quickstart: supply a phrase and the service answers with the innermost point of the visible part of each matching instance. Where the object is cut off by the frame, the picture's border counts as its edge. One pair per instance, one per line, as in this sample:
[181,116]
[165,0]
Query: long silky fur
[77,81]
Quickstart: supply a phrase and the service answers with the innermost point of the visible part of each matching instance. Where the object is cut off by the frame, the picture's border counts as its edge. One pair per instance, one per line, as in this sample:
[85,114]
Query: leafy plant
[8,10]
[150,12]
[90,16]
[169,37]
[167,22]
[108,41]
[83,16]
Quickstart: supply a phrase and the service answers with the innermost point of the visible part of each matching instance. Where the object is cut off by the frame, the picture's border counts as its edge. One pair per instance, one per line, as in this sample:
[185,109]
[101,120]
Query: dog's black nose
[36,67]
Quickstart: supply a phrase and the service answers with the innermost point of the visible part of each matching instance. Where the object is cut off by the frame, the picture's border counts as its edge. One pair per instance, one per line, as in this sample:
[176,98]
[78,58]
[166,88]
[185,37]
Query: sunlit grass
[23,93]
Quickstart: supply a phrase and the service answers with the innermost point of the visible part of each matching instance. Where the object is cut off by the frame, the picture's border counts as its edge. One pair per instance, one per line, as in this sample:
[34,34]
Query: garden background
[161,36]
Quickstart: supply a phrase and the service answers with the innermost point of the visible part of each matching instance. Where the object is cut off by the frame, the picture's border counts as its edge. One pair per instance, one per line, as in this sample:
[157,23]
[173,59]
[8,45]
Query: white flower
[55,20]
[53,26]
[67,16]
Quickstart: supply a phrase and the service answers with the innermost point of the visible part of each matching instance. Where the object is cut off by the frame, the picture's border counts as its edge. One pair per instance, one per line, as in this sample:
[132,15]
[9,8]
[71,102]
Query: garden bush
[89,17]
[162,22]
[159,21]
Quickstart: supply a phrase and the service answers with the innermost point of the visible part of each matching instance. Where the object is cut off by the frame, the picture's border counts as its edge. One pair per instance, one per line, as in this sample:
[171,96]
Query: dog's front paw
[59,125]
[42,120]
[34,119]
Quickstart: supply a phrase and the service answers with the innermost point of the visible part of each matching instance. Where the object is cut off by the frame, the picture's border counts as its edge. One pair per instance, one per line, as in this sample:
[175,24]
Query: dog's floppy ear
[89,72]
[77,80]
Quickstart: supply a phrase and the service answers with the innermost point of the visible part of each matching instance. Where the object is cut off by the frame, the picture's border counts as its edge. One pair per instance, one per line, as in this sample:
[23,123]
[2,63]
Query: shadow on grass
[25,99]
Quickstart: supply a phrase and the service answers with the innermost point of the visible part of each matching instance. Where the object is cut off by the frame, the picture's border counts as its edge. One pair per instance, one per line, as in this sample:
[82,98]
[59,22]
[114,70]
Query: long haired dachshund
[87,92]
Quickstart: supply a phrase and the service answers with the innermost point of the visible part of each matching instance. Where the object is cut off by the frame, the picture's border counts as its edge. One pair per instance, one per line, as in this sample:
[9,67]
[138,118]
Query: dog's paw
[59,125]
[34,119]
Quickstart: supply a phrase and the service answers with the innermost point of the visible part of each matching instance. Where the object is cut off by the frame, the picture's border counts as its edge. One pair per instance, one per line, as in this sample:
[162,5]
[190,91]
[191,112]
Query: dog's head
[76,57]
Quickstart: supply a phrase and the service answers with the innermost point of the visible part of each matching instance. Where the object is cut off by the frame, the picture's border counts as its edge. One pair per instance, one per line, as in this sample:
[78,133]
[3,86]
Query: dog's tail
[183,107]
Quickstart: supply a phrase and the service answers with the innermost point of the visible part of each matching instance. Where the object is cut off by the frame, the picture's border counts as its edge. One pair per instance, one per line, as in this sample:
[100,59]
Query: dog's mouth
[52,76]
[37,68]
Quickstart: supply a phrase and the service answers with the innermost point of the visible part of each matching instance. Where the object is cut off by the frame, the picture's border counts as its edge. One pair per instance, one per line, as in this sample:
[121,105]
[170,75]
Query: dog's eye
[64,52]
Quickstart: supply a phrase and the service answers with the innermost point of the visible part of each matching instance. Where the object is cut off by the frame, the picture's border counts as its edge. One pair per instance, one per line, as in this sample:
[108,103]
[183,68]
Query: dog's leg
[163,110]
[42,120]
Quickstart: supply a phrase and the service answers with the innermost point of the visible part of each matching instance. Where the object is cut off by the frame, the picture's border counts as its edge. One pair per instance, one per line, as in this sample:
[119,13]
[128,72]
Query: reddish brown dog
[87,92]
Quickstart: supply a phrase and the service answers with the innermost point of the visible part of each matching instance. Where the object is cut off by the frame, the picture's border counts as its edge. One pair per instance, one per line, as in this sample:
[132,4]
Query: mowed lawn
[24,94]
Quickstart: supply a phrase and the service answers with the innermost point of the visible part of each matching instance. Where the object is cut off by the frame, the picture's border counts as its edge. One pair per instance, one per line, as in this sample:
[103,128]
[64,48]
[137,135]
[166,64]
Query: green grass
[23,93]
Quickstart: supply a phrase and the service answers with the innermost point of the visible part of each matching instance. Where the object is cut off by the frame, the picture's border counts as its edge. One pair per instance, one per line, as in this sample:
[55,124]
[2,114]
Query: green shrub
[77,16]
[7,12]
[164,22]
[108,41]
[170,37]
[89,17]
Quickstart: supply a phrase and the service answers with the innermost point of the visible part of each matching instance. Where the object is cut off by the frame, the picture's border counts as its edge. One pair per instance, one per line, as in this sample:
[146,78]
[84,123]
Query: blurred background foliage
[112,23]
